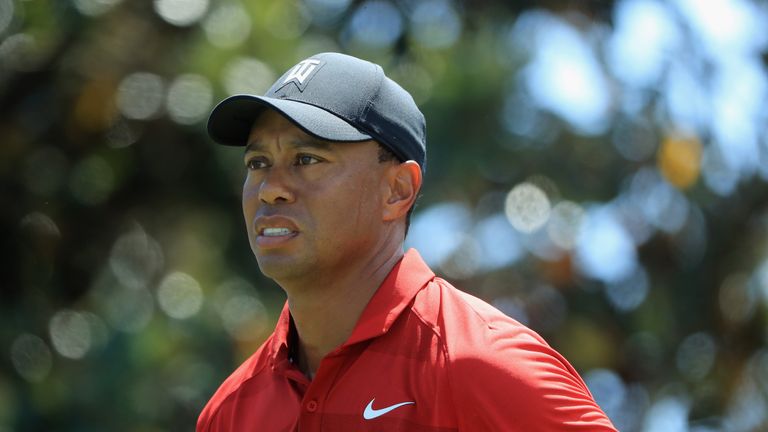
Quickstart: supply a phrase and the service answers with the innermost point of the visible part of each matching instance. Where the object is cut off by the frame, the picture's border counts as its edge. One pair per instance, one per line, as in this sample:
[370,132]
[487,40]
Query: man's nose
[276,186]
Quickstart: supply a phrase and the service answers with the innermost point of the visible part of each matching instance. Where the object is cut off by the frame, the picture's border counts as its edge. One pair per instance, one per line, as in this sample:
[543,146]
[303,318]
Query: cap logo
[301,73]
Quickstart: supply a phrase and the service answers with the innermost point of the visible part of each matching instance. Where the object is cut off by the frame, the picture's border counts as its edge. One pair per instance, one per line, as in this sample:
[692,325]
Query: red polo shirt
[424,357]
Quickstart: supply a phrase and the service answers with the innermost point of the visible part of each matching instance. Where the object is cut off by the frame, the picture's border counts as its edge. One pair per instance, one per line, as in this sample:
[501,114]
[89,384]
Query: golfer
[369,338]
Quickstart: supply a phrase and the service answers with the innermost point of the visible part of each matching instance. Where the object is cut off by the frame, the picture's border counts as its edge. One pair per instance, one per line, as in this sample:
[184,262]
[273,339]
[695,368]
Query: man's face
[311,207]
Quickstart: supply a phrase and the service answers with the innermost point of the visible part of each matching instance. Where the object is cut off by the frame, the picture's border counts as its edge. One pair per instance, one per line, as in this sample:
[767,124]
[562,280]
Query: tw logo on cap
[302,73]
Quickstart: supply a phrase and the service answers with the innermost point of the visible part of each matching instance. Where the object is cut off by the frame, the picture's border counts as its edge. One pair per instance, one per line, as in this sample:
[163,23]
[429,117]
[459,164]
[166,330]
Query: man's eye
[306,160]
[255,163]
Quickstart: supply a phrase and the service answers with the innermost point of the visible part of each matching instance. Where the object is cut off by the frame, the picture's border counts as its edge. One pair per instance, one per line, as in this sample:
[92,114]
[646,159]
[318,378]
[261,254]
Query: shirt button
[312,406]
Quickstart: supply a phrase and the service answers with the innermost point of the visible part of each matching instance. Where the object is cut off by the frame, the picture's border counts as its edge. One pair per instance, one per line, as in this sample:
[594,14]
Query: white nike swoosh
[370,413]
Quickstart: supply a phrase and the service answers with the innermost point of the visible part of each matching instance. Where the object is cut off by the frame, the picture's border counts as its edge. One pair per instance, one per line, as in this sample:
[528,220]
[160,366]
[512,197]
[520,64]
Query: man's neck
[326,314]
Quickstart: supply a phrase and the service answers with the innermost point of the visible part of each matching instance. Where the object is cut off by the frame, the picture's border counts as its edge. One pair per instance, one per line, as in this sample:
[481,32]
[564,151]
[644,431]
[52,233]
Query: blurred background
[596,169]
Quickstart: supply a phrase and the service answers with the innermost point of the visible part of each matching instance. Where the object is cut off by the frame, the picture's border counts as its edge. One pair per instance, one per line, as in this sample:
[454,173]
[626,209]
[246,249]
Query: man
[370,339]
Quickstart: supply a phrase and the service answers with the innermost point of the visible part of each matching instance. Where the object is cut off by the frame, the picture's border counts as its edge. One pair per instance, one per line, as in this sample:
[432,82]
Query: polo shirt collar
[400,286]
[405,279]
[281,336]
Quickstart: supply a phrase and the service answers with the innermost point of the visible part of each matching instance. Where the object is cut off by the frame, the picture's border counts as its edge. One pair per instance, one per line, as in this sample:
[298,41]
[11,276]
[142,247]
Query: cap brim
[231,120]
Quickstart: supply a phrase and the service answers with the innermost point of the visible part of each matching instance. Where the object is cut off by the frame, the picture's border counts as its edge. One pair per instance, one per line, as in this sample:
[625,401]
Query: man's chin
[281,267]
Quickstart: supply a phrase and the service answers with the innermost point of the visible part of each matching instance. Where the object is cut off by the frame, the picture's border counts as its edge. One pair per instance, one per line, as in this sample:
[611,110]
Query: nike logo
[370,413]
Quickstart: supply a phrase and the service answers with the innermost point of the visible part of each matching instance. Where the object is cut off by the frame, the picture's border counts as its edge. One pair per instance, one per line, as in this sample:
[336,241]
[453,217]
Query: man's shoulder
[247,370]
[449,308]
[234,383]
[473,332]
[502,374]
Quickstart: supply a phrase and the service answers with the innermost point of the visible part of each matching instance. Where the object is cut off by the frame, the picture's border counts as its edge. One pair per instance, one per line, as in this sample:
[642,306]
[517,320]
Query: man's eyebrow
[252,146]
[308,142]
[311,142]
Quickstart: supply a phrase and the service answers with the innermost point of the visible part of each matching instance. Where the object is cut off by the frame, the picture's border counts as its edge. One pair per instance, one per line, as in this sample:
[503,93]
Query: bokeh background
[596,169]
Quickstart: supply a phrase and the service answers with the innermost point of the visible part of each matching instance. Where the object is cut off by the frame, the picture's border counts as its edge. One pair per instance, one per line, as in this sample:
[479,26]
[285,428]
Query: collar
[397,291]
[406,278]
[279,350]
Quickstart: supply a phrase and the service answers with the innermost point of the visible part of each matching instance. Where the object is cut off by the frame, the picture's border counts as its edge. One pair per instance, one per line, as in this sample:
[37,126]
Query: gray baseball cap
[335,97]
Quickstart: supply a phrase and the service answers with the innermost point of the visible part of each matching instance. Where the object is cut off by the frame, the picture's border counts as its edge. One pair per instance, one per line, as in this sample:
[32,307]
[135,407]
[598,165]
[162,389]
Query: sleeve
[509,379]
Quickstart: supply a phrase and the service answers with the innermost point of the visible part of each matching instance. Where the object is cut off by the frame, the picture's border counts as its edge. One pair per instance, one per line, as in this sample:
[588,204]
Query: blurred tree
[597,170]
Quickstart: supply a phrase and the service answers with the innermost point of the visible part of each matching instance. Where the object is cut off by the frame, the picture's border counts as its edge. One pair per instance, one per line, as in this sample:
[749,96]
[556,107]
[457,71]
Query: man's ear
[402,183]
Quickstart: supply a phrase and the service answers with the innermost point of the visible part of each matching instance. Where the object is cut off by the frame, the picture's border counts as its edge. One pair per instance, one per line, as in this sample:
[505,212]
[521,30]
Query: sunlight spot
[437,231]
[181,12]
[70,334]
[565,76]
[180,295]
[246,75]
[94,7]
[564,224]
[646,37]
[604,248]
[527,207]
[140,95]
[228,26]
[376,23]
[189,99]
[31,357]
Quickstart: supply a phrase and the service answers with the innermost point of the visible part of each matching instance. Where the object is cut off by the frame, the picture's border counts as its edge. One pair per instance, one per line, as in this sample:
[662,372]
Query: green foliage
[111,187]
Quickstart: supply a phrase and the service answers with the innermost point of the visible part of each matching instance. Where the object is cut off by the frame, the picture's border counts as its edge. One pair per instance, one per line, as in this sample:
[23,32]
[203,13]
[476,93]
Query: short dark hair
[386,155]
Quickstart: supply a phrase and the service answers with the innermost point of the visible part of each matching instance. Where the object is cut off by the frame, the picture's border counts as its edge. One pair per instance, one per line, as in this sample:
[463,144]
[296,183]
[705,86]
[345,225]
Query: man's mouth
[275,232]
